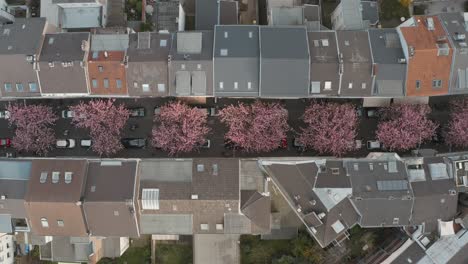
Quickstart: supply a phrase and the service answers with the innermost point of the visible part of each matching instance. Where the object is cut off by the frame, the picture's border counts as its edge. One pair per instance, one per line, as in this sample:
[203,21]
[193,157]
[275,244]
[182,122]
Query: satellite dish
[402,19]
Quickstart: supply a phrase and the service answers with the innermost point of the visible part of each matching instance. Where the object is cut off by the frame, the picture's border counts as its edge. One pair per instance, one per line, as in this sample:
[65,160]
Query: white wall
[7,249]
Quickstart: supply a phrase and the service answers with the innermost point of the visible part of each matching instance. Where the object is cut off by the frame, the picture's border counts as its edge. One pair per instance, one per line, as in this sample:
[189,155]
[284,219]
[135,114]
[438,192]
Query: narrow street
[144,125]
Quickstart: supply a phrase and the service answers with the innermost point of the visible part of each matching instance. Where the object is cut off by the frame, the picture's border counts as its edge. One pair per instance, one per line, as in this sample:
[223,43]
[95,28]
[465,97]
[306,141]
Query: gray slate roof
[370,12]
[206,14]
[357,63]
[236,60]
[390,66]
[62,47]
[14,39]
[284,48]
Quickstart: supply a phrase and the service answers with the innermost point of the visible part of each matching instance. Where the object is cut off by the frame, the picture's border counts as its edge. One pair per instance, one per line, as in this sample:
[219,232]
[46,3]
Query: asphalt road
[295,109]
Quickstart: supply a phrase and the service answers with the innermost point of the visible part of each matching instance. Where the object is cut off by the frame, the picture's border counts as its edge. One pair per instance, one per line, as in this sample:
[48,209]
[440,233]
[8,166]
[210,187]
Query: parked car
[372,112]
[356,144]
[207,144]
[68,114]
[137,112]
[4,114]
[134,142]
[86,143]
[5,142]
[230,145]
[212,111]
[298,144]
[65,143]
[373,144]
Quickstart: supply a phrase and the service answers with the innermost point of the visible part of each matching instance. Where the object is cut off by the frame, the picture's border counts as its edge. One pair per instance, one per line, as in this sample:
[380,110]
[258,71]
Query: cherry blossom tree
[456,131]
[33,124]
[179,128]
[403,127]
[256,127]
[105,121]
[330,128]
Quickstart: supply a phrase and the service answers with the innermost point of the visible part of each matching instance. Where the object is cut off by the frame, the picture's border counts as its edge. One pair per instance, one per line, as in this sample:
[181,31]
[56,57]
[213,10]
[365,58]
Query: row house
[428,53]
[62,64]
[331,196]
[20,47]
[106,64]
[424,56]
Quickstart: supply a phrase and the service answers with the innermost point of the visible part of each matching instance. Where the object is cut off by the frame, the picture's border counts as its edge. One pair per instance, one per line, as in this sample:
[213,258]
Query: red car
[284,143]
[5,142]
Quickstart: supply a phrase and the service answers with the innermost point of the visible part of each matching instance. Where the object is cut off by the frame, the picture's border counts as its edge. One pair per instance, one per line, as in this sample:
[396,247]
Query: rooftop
[206,14]
[386,46]
[355,47]
[22,37]
[63,47]
[236,41]
[109,42]
[121,175]
[423,33]
[284,43]
[193,45]
[322,46]
[145,46]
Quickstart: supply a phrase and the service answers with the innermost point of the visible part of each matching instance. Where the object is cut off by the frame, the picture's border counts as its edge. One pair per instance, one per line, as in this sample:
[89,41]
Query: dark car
[137,112]
[284,143]
[230,145]
[207,144]
[372,112]
[5,142]
[134,142]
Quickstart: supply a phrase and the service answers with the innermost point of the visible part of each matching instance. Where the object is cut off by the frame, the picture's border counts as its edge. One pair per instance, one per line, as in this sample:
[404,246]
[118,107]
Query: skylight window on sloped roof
[51,40]
[163,42]
[55,176]
[325,42]
[43,177]
[68,177]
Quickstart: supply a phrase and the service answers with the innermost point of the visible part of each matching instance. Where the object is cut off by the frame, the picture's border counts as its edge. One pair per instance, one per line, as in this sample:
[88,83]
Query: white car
[4,114]
[68,114]
[86,143]
[65,143]
[373,144]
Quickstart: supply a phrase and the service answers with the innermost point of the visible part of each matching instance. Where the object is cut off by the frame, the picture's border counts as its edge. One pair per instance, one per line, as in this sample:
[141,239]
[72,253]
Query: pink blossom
[330,128]
[33,127]
[179,128]
[105,121]
[403,127]
[256,127]
[457,128]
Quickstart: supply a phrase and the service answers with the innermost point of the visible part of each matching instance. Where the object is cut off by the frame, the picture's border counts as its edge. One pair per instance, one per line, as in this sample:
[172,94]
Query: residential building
[348,16]
[106,64]
[20,45]
[456,26]
[167,17]
[75,14]
[14,180]
[428,53]
[62,64]
[236,61]
[324,63]
[284,48]
[147,66]
[389,63]
[7,249]
[191,64]
[55,196]
[355,63]
[330,196]
[198,196]
[111,212]
[370,12]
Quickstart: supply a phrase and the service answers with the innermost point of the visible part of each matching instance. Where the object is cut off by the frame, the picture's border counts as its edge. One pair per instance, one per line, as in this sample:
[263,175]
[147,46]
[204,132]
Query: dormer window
[55,177]
[43,177]
[68,177]
[44,222]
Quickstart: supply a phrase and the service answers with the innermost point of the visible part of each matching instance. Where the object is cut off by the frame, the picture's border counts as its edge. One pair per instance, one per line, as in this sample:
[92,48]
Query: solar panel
[395,185]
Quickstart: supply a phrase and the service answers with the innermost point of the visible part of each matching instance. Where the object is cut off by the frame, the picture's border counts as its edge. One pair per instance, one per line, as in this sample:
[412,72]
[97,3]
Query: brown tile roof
[425,65]
[57,201]
[107,65]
